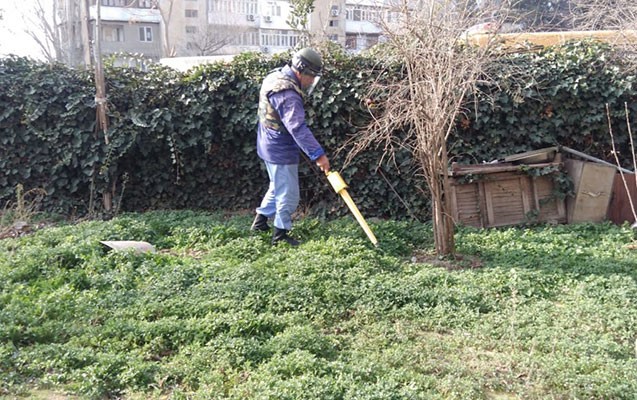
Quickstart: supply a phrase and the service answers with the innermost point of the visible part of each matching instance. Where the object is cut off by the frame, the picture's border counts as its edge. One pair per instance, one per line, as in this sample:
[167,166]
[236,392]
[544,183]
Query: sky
[13,38]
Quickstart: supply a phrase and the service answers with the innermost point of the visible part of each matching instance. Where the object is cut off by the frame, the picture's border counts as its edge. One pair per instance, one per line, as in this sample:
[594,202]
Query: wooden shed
[522,188]
[507,193]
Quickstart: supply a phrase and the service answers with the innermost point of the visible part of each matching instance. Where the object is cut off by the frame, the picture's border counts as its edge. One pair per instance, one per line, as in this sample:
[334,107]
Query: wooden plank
[469,206]
[482,205]
[454,203]
[465,209]
[505,205]
[534,156]
[574,171]
[619,210]
[526,195]
[593,186]
[552,209]
[496,168]
[535,196]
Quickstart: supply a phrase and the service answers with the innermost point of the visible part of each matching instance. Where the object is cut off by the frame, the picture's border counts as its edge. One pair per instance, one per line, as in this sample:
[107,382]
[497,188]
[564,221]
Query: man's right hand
[323,163]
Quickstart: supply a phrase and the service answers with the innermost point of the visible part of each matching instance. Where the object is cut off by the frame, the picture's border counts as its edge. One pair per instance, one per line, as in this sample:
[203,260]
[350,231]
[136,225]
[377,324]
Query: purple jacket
[281,147]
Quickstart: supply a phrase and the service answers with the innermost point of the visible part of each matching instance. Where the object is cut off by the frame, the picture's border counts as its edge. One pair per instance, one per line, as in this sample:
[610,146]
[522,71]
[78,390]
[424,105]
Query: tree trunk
[443,225]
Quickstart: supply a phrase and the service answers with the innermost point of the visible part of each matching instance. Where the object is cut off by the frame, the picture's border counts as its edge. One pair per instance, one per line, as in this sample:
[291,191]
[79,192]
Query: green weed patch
[547,312]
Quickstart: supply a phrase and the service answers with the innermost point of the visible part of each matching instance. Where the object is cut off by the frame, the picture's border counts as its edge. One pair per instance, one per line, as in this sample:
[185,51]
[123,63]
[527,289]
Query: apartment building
[187,28]
[129,26]
[126,26]
[232,26]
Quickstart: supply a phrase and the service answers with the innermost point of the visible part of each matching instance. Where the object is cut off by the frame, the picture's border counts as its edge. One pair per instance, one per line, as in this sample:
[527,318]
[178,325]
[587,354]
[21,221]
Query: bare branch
[44,30]
[166,11]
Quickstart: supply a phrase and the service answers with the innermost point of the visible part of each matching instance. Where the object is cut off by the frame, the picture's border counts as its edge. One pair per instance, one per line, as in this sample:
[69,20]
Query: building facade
[157,29]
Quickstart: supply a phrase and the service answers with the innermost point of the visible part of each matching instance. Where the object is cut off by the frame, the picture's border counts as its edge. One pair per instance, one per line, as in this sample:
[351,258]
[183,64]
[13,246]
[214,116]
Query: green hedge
[178,140]
[556,96]
[187,140]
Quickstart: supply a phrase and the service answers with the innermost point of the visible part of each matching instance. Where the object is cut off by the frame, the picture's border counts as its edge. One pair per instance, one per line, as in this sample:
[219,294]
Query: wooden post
[100,95]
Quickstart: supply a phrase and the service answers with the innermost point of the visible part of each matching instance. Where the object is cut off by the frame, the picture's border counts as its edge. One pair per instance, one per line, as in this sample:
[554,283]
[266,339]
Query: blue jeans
[282,196]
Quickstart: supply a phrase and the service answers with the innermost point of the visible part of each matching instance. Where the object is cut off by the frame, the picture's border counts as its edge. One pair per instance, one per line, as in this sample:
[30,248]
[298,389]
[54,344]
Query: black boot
[281,235]
[260,223]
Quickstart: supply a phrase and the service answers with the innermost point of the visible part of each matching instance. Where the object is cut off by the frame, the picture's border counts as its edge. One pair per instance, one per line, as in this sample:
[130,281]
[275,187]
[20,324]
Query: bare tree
[418,110]
[604,14]
[208,38]
[42,27]
[166,9]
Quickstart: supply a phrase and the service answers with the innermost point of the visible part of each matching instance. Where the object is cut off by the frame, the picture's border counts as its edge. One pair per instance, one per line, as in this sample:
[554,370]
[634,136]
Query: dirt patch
[451,263]
[43,394]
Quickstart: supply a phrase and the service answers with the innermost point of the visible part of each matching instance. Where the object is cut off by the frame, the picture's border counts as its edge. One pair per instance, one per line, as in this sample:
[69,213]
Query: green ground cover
[547,312]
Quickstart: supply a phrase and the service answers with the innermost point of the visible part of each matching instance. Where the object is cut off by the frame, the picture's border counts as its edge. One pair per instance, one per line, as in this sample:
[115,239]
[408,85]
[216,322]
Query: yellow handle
[336,181]
[340,187]
[359,217]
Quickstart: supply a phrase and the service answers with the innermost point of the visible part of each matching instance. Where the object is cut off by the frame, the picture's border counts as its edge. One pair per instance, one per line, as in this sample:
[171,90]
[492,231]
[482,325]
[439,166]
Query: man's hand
[323,163]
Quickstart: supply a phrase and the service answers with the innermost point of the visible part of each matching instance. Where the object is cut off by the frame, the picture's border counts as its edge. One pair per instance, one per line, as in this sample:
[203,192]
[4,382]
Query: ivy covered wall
[187,140]
[554,96]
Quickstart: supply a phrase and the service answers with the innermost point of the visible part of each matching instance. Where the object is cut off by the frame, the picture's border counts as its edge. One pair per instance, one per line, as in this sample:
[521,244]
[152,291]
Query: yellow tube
[358,216]
[340,187]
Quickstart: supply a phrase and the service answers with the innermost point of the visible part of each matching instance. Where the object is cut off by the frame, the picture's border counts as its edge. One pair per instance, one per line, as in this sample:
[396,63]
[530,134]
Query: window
[228,35]
[113,33]
[115,3]
[334,22]
[145,34]
[192,13]
[145,3]
[273,9]
[360,41]
[246,7]
[250,38]
[333,38]
[350,42]
[363,13]
[191,29]
[371,41]
[279,38]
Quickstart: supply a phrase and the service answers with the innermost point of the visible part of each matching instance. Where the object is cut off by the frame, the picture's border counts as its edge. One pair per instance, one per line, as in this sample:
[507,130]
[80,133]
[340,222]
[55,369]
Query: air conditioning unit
[267,18]
[250,17]
[335,12]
